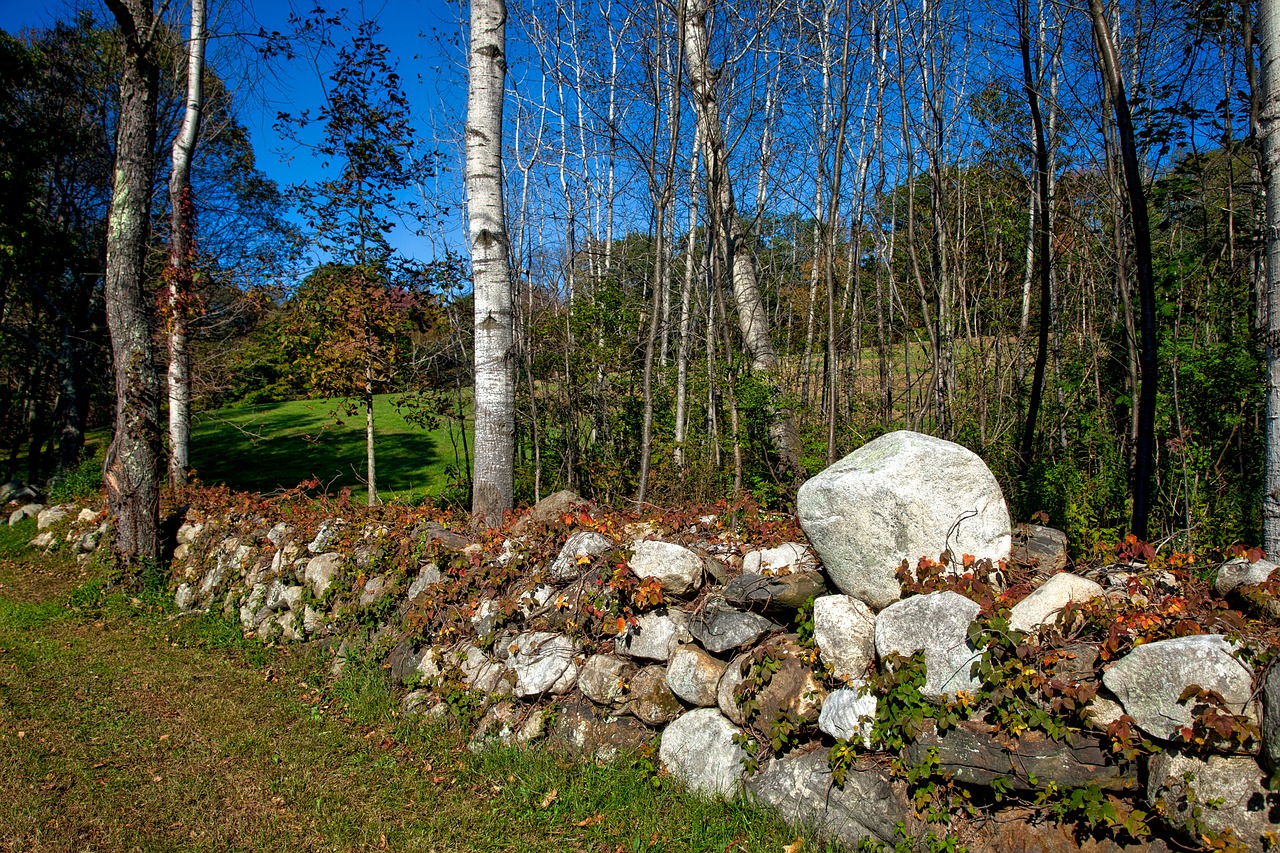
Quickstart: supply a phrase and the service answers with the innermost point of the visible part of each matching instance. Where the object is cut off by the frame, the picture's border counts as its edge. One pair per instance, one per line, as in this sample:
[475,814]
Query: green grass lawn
[276,446]
[123,727]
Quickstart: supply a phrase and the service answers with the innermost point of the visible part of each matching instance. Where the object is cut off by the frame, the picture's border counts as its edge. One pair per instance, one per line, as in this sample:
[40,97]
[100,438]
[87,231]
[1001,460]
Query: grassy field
[125,728]
[277,446]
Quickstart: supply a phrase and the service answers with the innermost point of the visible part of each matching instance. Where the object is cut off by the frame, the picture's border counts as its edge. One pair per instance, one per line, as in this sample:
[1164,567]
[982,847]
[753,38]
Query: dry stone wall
[764,672]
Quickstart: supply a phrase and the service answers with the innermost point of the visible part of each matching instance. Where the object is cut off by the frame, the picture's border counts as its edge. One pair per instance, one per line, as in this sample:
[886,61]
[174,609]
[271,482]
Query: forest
[741,240]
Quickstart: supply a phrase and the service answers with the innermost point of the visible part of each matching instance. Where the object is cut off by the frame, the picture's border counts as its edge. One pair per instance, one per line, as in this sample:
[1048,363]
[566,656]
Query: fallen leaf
[549,798]
[591,821]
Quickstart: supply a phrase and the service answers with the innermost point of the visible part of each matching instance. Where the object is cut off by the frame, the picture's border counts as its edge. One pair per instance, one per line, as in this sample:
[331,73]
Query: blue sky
[423,35]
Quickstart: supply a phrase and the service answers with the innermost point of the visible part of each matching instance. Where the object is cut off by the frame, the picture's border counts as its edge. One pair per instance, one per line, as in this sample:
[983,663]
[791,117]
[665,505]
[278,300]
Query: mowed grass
[275,446]
[123,727]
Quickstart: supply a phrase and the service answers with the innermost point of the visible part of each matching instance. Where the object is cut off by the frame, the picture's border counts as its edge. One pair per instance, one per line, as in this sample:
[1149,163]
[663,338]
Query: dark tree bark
[1137,202]
[132,460]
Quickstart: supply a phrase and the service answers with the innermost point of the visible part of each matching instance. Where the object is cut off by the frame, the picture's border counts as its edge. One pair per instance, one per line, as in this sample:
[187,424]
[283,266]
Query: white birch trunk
[180,250]
[1268,132]
[494,477]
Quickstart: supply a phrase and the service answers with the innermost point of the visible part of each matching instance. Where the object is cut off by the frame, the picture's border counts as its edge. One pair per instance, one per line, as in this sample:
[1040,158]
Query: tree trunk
[1147,359]
[132,460]
[1268,135]
[733,241]
[494,480]
[181,251]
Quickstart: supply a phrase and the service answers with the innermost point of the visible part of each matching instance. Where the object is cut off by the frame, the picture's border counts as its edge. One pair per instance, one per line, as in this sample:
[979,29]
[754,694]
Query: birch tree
[494,479]
[133,496]
[1268,134]
[181,251]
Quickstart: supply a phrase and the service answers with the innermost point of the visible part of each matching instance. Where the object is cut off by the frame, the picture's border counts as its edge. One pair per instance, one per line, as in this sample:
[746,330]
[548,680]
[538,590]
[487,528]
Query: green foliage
[81,484]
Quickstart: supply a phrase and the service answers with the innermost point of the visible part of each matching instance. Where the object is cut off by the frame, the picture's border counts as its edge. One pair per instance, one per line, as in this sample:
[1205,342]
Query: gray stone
[44,540]
[1240,572]
[720,628]
[374,589]
[16,490]
[550,512]
[212,580]
[844,630]
[86,516]
[185,597]
[50,516]
[727,690]
[314,621]
[793,692]
[254,603]
[788,592]
[849,713]
[651,700]
[321,571]
[87,543]
[1229,793]
[508,724]
[901,497]
[480,672]
[325,535]
[677,569]
[423,703]
[288,622]
[543,663]
[698,749]
[655,635]
[597,734]
[787,557]
[1150,679]
[535,599]
[938,625]
[1043,605]
[188,533]
[577,554]
[800,789]
[24,512]
[694,675]
[605,679]
[275,601]
[1040,548]
[279,534]
[428,575]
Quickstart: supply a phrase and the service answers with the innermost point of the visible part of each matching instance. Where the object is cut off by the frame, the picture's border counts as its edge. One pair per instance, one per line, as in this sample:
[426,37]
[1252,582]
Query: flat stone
[1150,679]
[655,635]
[606,679]
[677,569]
[938,625]
[694,675]
[651,700]
[1040,548]
[787,557]
[1043,605]
[844,630]
[849,713]
[782,592]
[720,628]
[543,662]
[1240,572]
[321,571]
[901,497]
[577,554]
[50,515]
[799,789]
[698,749]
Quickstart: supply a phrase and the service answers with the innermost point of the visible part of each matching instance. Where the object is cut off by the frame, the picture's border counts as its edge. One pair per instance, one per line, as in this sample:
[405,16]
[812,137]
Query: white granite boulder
[1240,572]
[578,551]
[694,675]
[698,748]
[938,625]
[543,662]
[1044,604]
[848,714]
[655,635]
[606,679]
[51,515]
[1150,680]
[901,497]
[321,571]
[787,557]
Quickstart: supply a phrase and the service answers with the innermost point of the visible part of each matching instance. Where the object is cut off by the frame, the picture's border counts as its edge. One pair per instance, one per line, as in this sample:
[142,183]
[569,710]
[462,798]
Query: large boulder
[321,571]
[699,749]
[938,625]
[799,787]
[901,497]
[1150,680]
[1043,605]
[844,630]
[677,569]
[606,679]
[1240,572]
[550,512]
